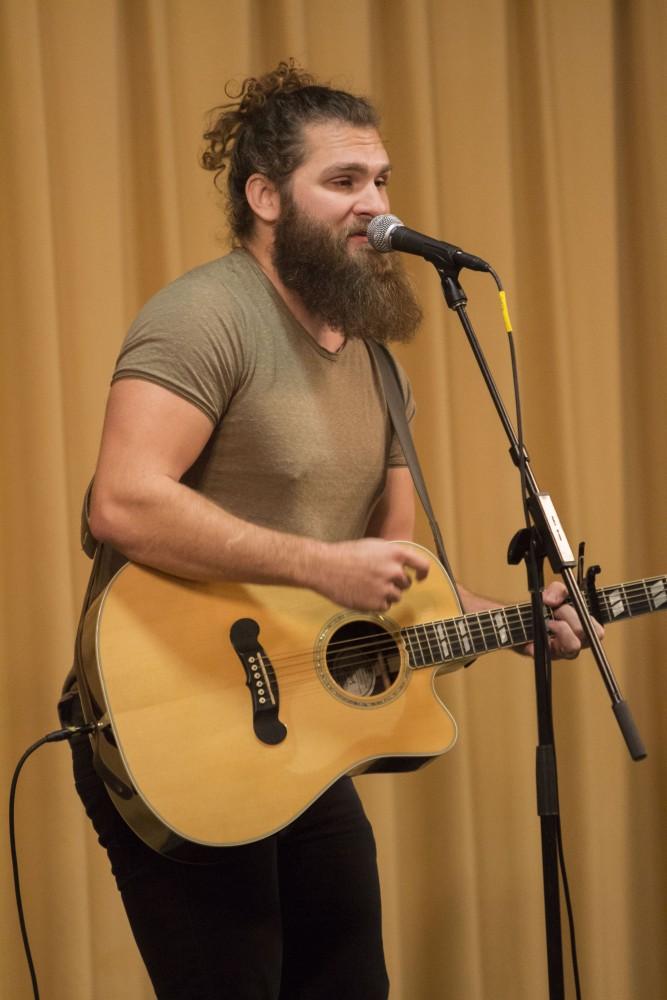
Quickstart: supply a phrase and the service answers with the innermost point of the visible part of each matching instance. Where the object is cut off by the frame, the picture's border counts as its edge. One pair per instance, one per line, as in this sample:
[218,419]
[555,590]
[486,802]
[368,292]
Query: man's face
[320,250]
[342,181]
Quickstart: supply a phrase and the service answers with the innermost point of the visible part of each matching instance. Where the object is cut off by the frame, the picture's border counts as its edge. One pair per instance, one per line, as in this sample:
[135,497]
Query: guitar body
[224,710]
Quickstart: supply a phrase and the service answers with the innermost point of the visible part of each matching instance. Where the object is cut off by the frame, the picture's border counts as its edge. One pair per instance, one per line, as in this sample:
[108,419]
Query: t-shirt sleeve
[188,341]
[396,456]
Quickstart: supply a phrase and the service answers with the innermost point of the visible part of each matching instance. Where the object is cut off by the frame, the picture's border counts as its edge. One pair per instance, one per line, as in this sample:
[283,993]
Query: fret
[443,642]
[454,639]
[515,630]
[488,636]
[477,632]
[412,656]
[657,590]
[637,598]
[496,640]
[527,621]
[433,646]
[464,633]
[422,640]
[488,630]
[521,632]
[616,603]
[503,634]
[508,627]
[605,608]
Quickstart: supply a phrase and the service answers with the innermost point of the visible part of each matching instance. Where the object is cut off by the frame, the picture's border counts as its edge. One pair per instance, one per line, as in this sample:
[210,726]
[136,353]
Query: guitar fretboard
[480,632]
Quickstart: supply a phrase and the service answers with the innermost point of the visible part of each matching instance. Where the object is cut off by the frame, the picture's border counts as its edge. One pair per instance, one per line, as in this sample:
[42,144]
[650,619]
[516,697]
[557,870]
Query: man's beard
[362,293]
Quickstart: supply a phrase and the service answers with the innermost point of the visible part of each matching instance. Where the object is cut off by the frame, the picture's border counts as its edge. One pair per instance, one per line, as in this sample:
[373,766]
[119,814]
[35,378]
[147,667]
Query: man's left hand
[567,637]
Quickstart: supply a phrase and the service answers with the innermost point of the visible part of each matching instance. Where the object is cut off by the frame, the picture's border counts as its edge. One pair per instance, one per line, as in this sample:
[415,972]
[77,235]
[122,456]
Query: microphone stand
[543,538]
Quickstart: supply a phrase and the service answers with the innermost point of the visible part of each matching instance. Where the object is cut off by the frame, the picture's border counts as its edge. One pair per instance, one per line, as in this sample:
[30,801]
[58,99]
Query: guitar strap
[396,405]
[106,562]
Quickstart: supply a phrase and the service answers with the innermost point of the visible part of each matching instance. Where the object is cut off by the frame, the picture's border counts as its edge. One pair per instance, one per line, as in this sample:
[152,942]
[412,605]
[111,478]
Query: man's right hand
[368,574]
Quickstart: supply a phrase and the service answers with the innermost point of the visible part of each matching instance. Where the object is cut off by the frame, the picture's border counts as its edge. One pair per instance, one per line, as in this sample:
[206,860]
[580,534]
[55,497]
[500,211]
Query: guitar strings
[513,614]
[517,615]
[421,643]
[474,627]
[476,631]
[352,650]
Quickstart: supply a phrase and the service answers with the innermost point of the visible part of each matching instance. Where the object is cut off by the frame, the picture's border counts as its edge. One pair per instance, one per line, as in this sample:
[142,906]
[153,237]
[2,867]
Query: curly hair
[261,131]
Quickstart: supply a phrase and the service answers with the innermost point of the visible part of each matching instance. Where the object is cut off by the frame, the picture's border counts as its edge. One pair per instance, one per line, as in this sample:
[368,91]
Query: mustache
[358,229]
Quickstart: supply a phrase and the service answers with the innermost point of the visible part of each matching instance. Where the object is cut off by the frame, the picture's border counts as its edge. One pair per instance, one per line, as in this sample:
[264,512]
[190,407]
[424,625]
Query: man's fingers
[402,580]
[416,561]
[554,594]
[392,596]
[566,642]
[567,614]
[568,633]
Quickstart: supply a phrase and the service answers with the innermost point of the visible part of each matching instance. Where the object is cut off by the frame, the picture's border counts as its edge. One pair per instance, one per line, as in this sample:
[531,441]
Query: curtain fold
[531,133]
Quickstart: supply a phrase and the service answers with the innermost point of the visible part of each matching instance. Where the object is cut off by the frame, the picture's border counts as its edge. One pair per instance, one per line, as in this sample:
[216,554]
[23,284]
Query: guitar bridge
[261,681]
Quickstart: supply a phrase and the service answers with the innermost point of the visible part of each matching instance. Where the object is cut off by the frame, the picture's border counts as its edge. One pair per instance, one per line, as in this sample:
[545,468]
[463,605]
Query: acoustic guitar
[224,710]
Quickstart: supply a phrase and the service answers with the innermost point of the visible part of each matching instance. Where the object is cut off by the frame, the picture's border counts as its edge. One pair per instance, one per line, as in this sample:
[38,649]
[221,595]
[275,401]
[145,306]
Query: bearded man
[247,439]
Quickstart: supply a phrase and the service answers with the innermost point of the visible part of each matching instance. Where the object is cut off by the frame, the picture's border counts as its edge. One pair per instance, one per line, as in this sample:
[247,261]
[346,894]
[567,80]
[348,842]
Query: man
[246,438]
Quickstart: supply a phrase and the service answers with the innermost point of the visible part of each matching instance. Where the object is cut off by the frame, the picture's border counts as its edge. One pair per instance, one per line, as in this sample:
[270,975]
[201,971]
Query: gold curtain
[533,133]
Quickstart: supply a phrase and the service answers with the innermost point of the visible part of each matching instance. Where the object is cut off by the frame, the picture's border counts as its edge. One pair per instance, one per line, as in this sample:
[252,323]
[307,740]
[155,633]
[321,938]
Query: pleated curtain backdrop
[531,132]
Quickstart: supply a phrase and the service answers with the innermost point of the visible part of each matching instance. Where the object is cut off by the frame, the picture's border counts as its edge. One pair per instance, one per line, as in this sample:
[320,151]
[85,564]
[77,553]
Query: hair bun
[257,90]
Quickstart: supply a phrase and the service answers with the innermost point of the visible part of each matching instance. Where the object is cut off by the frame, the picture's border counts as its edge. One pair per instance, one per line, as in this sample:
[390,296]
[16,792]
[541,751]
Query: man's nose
[372,201]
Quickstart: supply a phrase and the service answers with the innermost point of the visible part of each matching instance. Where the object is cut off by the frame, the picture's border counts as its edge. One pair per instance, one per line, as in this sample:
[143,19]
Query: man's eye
[381,182]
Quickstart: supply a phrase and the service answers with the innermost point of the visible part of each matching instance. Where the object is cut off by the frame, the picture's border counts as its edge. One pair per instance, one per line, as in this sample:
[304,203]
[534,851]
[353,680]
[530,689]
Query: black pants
[295,916]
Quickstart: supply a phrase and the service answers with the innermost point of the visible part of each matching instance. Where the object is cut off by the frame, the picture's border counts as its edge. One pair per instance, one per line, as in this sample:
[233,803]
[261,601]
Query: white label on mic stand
[556,530]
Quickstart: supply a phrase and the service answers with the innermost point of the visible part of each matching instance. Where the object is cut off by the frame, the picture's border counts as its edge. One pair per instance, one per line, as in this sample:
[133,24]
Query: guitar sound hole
[363,659]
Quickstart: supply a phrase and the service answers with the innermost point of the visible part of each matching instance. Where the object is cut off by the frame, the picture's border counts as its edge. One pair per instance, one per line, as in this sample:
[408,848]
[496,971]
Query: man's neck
[323,334]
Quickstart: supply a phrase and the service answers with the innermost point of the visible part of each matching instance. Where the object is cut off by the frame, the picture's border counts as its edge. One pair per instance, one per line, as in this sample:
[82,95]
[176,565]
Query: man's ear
[263,197]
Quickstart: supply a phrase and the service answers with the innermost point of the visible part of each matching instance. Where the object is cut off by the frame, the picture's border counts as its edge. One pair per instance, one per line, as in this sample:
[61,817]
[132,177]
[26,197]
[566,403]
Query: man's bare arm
[151,437]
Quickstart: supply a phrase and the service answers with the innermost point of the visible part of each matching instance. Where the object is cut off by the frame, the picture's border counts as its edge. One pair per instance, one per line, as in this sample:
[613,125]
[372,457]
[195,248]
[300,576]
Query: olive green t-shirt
[300,437]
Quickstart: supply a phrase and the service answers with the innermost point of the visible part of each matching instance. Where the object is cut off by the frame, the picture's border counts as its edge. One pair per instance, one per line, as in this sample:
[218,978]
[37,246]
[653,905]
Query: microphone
[387,232]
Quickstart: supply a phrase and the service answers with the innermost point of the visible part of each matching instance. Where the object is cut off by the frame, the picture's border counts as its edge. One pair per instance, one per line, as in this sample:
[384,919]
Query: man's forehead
[331,144]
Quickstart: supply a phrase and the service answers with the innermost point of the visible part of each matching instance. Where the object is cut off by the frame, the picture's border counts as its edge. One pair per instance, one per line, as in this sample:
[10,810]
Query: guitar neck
[481,632]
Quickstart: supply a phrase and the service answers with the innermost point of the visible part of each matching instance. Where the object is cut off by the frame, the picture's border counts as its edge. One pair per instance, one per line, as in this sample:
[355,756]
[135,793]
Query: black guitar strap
[396,405]
[106,562]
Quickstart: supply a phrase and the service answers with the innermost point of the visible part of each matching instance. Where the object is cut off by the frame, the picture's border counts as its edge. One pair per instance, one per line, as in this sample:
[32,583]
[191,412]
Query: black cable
[570,912]
[55,737]
[524,499]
